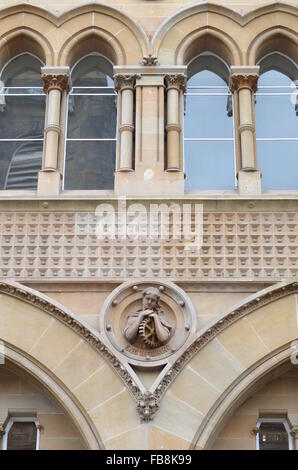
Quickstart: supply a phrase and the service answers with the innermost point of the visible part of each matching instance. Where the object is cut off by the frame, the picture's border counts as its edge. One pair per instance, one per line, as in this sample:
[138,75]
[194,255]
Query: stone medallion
[148,322]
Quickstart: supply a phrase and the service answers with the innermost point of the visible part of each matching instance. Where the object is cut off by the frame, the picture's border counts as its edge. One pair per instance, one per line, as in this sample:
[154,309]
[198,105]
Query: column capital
[177,81]
[244,77]
[125,81]
[56,78]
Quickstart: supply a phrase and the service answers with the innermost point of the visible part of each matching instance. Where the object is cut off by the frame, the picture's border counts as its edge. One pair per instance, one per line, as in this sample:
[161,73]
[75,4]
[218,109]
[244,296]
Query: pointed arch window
[209,156]
[91,134]
[277,123]
[22,114]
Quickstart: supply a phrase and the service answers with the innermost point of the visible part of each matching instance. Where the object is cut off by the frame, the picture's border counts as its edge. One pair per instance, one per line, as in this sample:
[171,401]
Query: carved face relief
[146,323]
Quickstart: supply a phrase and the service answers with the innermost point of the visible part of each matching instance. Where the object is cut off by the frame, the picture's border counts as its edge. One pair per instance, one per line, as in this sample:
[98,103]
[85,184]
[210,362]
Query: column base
[49,183]
[249,183]
[149,181]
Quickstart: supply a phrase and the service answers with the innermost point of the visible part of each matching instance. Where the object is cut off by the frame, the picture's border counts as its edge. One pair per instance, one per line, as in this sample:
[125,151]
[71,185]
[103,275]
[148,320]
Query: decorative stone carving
[56,82]
[147,406]
[125,81]
[149,60]
[147,323]
[239,81]
[177,81]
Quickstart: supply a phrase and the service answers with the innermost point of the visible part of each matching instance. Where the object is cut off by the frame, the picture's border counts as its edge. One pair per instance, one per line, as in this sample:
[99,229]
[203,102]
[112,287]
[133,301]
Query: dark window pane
[92,117]
[278,163]
[22,436]
[90,165]
[22,117]
[209,165]
[273,436]
[23,71]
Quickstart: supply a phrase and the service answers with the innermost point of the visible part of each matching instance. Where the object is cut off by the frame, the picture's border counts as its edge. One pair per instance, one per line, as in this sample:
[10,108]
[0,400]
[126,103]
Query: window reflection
[92,117]
[277,131]
[22,110]
[208,133]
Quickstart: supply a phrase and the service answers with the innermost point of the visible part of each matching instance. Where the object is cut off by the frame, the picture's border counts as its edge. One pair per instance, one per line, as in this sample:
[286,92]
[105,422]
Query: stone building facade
[138,312]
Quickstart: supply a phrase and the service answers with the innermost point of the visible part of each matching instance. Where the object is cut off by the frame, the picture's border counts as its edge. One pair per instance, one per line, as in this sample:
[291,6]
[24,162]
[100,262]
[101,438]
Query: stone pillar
[124,86]
[243,83]
[176,86]
[294,433]
[56,82]
[141,167]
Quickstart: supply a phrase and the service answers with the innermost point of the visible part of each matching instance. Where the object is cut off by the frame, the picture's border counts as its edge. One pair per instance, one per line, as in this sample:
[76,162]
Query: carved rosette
[59,82]
[125,81]
[239,81]
[177,81]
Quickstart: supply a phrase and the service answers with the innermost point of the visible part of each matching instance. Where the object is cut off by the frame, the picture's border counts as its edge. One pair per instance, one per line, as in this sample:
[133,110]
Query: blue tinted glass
[209,165]
[206,78]
[276,116]
[278,163]
[274,78]
[206,116]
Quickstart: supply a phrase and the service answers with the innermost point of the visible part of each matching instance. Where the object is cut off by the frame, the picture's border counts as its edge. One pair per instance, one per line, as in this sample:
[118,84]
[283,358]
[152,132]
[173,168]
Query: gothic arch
[226,361]
[24,39]
[275,39]
[79,371]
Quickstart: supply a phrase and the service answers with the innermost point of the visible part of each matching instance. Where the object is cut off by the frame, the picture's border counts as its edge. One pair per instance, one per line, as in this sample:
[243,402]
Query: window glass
[22,114]
[277,131]
[91,135]
[22,436]
[208,133]
[273,436]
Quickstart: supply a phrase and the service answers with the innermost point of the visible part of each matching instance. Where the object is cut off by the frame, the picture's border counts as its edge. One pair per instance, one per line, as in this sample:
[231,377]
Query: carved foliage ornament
[239,81]
[150,60]
[177,81]
[123,81]
[59,82]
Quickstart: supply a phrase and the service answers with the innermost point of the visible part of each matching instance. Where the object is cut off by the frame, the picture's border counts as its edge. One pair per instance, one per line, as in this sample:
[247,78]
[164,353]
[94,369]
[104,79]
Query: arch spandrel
[227,359]
[69,359]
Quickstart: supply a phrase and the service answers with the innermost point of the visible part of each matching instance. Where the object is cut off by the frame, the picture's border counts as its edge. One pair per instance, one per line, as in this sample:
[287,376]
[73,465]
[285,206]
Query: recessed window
[22,114]
[21,434]
[274,434]
[277,130]
[208,128]
[91,133]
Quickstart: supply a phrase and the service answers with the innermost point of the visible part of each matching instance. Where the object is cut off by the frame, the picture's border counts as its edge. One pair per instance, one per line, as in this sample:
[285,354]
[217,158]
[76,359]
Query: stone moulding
[148,403]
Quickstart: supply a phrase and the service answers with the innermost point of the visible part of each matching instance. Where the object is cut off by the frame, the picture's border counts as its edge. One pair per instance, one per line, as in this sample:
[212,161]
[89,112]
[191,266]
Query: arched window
[91,135]
[209,157]
[274,434]
[277,123]
[22,112]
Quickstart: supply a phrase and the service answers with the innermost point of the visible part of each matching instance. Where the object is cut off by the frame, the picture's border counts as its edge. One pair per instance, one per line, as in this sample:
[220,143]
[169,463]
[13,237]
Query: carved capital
[149,60]
[147,406]
[239,81]
[125,81]
[59,82]
[255,431]
[177,81]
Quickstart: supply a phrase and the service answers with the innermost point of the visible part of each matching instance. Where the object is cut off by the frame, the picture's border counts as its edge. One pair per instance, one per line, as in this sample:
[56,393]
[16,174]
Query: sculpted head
[151,297]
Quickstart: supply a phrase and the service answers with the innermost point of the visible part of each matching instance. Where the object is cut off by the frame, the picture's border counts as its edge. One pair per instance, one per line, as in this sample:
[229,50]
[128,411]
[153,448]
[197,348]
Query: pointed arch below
[272,40]
[225,362]
[70,360]
[25,40]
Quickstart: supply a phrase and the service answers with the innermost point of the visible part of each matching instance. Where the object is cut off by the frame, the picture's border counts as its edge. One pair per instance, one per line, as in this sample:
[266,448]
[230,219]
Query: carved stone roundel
[147,322]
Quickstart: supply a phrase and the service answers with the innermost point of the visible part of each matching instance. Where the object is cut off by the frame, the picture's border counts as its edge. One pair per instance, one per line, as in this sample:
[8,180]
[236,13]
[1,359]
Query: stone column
[124,86]
[56,82]
[176,86]
[294,433]
[243,82]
